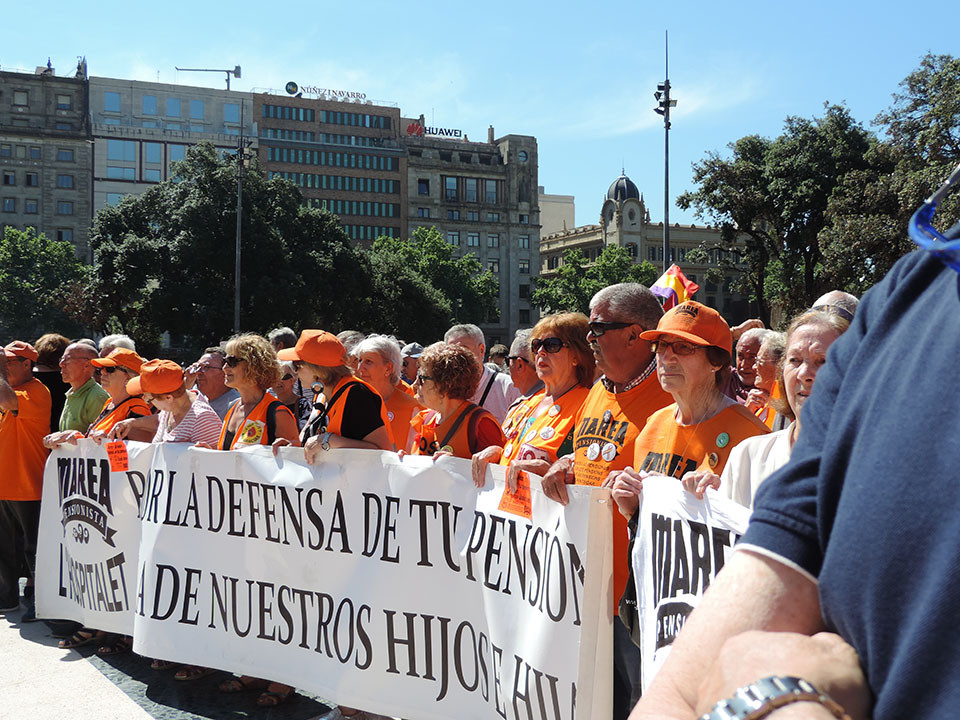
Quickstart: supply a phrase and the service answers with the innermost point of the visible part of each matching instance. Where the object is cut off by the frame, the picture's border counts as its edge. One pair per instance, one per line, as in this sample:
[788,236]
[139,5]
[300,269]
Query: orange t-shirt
[540,433]
[401,409]
[668,448]
[406,387]
[768,413]
[606,429]
[336,411]
[431,436]
[22,453]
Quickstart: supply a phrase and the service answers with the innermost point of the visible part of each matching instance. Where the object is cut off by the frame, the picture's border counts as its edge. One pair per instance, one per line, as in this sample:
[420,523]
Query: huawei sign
[419,130]
[415,128]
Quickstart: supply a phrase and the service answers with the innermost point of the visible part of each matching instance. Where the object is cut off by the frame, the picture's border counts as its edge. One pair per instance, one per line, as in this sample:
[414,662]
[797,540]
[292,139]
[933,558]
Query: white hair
[117,341]
[386,347]
[467,330]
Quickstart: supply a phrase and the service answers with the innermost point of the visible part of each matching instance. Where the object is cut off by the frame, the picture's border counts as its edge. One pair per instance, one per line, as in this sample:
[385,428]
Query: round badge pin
[593,451]
[507,449]
[389,416]
[607,416]
[713,459]
[553,411]
[547,433]
[609,451]
[447,449]
[530,436]
[722,440]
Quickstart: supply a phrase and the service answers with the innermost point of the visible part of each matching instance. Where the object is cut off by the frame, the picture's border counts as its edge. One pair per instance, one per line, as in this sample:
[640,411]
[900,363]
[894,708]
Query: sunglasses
[550,345]
[511,358]
[679,347]
[109,370]
[421,377]
[945,246]
[288,376]
[232,361]
[598,327]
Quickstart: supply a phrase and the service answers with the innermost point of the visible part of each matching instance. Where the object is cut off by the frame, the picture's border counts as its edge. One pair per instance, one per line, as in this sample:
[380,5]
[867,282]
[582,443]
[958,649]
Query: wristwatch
[325,440]
[758,700]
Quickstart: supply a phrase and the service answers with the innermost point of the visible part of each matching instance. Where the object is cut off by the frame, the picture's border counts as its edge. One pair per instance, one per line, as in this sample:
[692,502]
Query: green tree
[577,280]
[450,289]
[773,195]
[164,260]
[38,279]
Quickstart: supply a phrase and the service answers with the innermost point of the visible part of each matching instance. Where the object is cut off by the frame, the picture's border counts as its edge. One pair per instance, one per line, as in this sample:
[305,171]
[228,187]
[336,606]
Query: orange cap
[317,347]
[120,357]
[695,323]
[19,348]
[157,377]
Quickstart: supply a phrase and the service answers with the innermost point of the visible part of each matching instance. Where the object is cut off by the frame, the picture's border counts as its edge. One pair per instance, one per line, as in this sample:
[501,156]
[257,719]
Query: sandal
[273,698]
[158,664]
[244,682]
[121,645]
[80,638]
[189,673]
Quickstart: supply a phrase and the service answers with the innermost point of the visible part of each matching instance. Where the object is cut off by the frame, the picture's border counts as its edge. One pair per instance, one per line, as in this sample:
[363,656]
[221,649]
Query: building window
[453,214]
[64,102]
[64,235]
[20,97]
[151,175]
[470,186]
[9,177]
[64,155]
[493,265]
[149,104]
[453,238]
[32,180]
[9,205]
[632,250]
[111,101]
[524,292]
[523,242]
[30,207]
[524,219]
[173,107]
[113,199]
[196,109]
[65,181]
[423,187]
[491,193]
[552,262]
[493,217]
[177,152]
[524,316]
[423,212]
[21,152]
[231,112]
[450,188]
[35,153]
[473,239]
[64,207]
[64,126]
[473,215]
[524,267]
[153,152]
[6,151]
[123,150]
[493,240]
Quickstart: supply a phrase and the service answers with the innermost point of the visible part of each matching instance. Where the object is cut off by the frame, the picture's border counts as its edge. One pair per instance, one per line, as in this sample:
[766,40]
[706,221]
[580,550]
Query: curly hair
[454,370]
[262,364]
[572,328]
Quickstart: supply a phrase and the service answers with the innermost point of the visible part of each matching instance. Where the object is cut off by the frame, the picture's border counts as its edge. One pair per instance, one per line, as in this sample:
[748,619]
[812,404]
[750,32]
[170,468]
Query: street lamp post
[242,145]
[662,96]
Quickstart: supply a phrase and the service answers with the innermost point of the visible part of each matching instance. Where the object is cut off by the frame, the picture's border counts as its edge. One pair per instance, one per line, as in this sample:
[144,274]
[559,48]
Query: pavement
[39,681]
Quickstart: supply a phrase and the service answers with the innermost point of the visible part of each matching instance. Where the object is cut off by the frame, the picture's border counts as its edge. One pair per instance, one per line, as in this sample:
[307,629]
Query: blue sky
[578,76]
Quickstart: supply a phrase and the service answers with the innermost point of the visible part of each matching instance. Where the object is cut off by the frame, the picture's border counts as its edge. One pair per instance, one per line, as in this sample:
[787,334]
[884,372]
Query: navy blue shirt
[869,503]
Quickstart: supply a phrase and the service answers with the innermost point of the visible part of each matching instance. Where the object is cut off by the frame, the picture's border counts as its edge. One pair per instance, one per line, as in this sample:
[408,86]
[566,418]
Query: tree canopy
[577,280]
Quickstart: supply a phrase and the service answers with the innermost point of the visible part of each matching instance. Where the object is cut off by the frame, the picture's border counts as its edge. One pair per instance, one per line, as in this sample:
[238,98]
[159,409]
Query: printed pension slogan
[680,546]
[388,585]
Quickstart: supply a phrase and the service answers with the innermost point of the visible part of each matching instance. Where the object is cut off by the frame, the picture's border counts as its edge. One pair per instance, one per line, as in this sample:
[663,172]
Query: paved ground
[38,681]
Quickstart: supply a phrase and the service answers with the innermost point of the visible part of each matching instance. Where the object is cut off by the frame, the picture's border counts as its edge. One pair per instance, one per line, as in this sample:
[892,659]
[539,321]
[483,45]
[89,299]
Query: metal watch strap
[761,698]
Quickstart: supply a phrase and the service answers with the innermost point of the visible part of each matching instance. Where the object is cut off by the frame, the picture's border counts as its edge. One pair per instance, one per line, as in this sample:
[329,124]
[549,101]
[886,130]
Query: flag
[674,287]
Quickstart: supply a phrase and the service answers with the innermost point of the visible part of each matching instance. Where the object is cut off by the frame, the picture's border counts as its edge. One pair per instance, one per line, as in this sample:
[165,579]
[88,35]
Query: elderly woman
[692,343]
[452,425]
[764,394]
[257,417]
[286,393]
[541,429]
[379,364]
[752,461]
[115,370]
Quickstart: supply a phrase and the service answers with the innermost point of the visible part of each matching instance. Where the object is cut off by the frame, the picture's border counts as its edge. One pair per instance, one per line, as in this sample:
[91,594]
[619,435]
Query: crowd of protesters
[607,399]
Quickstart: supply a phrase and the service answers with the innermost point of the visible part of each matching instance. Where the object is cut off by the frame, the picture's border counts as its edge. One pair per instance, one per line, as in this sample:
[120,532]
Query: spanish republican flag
[674,287]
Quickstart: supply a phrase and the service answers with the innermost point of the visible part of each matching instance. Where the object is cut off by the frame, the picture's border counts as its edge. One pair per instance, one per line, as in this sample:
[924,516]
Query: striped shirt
[200,424]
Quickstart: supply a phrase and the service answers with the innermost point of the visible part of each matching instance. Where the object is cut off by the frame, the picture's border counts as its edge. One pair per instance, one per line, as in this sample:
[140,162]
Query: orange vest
[406,387]
[541,433]
[607,427]
[253,429]
[335,413]
[133,406]
[401,409]
[432,437]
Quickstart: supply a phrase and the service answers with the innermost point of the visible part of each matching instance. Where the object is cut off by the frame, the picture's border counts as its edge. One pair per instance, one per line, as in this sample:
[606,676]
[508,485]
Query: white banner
[393,586]
[681,544]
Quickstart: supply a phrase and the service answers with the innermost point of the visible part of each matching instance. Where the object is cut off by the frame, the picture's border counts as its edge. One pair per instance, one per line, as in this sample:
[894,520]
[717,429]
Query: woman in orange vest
[379,363]
[541,429]
[114,370]
[451,425]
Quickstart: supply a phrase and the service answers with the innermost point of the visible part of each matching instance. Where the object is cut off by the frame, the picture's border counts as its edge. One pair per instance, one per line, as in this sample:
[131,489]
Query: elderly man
[495,391]
[24,420]
[109,343]
[613,414]
[411,362]
[522,370]
[210,381]
[85,398]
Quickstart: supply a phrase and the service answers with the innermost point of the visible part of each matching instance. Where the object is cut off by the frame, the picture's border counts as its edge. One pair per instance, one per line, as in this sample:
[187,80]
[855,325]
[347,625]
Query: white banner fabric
[390,585]
[681,544]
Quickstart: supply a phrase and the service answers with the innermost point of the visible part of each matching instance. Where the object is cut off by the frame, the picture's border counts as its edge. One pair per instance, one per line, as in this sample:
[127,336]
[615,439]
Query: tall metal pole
[236,269]
[665,103]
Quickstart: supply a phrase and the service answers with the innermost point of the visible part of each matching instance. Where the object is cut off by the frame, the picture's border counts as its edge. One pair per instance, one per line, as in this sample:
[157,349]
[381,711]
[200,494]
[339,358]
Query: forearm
[8,398]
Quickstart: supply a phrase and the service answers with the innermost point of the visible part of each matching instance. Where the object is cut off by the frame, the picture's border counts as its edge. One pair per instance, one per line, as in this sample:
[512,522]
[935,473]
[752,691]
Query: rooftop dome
[623,188]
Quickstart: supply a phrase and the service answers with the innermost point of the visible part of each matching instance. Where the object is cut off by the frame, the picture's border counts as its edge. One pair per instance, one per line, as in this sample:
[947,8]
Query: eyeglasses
[679,347]
[945,246]
[421,377]
[511,358]
[288,376]
[550,345]
[232,360]
[598,327]
[109,369]
[205,368]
